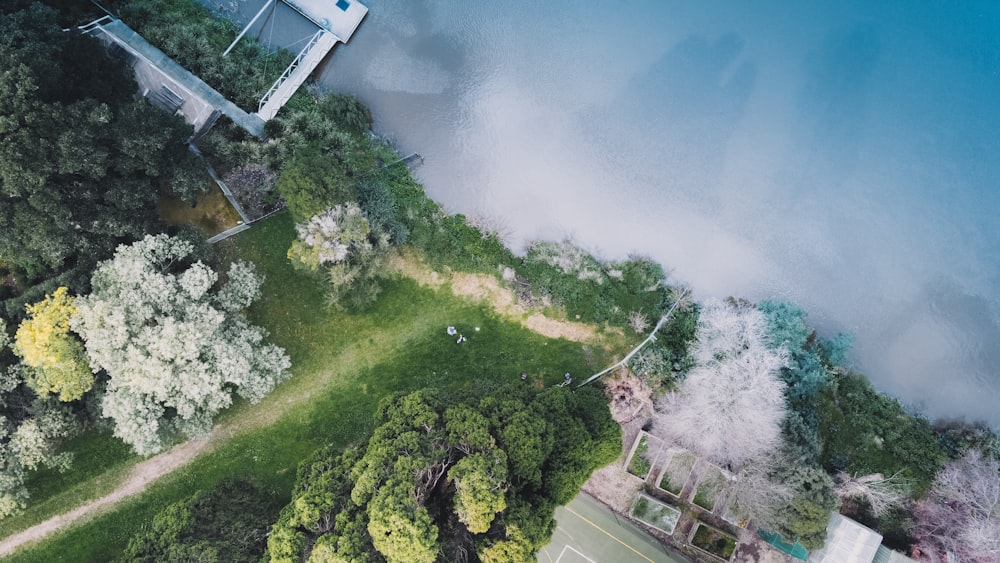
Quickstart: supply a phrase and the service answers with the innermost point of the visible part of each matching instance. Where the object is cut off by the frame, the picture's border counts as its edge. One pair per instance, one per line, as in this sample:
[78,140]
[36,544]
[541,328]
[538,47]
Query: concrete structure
[167,84]
[847,542]
[339,17]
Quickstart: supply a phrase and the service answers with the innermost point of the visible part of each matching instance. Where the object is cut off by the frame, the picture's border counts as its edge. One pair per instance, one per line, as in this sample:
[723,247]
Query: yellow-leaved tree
[44,342]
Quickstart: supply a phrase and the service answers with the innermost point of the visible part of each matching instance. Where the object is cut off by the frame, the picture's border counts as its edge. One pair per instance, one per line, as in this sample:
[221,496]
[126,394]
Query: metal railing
[291,68]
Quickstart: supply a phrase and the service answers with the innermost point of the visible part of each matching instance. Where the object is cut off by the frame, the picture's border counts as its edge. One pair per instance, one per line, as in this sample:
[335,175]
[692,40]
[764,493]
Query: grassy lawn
[343,364]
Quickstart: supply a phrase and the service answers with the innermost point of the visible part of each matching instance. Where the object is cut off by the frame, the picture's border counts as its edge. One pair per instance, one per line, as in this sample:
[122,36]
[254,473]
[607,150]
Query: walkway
[337,22]
[296,74]
[587,531]
[159,75]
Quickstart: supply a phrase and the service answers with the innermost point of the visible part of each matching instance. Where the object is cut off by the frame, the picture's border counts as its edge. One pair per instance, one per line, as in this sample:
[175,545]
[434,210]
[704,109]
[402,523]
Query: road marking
[547,555]
[575,513]
[563,552]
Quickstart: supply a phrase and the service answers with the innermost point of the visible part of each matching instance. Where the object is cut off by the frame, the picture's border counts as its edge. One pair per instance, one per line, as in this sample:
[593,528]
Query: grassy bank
[343,365]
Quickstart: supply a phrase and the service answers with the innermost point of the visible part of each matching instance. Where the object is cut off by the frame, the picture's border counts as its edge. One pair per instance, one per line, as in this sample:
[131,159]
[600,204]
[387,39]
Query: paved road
[589,532]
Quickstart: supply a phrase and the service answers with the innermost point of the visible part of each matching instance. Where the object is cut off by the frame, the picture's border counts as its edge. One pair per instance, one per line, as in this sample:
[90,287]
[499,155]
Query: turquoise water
[844,157]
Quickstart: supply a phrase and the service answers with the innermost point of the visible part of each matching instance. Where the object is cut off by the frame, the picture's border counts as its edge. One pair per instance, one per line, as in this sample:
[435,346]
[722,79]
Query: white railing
[291,68]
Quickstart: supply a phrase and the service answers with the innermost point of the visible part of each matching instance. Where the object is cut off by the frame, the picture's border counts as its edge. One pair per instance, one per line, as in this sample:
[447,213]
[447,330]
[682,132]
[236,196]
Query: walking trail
[481,288]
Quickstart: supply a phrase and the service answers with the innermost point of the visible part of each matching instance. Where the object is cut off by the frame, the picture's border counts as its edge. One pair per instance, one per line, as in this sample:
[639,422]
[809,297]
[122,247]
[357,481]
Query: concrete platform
[161,77]
[339,17]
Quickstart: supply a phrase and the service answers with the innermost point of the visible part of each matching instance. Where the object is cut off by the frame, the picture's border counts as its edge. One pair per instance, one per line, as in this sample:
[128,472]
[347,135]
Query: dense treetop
[449,480]
[81,161]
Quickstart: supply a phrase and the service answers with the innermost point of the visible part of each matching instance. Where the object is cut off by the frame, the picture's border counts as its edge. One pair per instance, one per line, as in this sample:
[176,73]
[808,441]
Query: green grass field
[343,364]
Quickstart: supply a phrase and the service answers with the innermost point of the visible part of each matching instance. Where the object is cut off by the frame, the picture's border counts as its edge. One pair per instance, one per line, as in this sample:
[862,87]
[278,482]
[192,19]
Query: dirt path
[138,479]
[478,287]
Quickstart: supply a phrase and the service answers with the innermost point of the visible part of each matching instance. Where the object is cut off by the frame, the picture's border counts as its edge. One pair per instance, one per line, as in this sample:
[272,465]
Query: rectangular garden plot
[654,513]
[734,514]
[713,542]
[643,455]
[711,484]
[676,471]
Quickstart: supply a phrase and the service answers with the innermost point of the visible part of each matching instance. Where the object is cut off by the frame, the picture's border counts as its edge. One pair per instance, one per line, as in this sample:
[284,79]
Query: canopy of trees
[81,162]
[960,518]
[447,480]
[30,429]
[45,343]
[172,341]
[226,523]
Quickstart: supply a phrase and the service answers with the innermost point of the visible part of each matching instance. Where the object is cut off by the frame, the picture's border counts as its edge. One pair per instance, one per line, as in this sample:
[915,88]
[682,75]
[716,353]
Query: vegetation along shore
[362,376]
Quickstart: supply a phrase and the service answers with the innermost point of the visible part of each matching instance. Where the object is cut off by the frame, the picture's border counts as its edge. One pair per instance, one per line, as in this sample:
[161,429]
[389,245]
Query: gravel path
[139,478]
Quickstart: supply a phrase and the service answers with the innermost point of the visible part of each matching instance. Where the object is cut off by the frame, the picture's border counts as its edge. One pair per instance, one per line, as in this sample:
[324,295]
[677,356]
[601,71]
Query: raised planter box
[713,542]
[643,455]
[676,471]
[654,513]
[711,484]
[735,515]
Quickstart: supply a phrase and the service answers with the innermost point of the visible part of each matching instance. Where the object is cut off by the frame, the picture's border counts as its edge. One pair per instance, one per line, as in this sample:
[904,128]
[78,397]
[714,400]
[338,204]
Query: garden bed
[711,485]
[676,471]
[643,455]
[654,513]
[734,514]
[713,542]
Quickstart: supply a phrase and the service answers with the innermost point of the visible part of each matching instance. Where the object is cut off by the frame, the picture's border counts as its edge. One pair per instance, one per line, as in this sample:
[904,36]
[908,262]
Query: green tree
[480,484]
[437,479]
[31,429]
[340,245]
[804,520]
[226,523]
[81,163]
[313,183]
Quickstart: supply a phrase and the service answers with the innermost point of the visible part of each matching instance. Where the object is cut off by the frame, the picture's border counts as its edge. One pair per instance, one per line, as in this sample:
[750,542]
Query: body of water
[845,157]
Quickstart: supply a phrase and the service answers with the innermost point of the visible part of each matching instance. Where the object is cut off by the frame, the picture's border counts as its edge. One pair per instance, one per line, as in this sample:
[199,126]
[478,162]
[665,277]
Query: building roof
[847,542]
[886,555]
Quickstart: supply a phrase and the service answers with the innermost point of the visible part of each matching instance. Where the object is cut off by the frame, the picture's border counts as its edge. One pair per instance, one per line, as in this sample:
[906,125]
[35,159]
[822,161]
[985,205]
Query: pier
[337,21]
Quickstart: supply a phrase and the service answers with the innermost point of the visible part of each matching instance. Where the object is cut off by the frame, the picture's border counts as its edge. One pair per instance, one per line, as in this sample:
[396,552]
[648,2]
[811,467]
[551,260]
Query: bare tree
[730,406]
[682,295]
[755,495]
[638,321]
[960,518]
[880,494]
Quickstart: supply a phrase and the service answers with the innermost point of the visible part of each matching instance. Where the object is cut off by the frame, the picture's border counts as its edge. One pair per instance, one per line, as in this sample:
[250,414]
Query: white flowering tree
[173,341]
[960,518]
[341,245]
[730,406]
[330,237]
